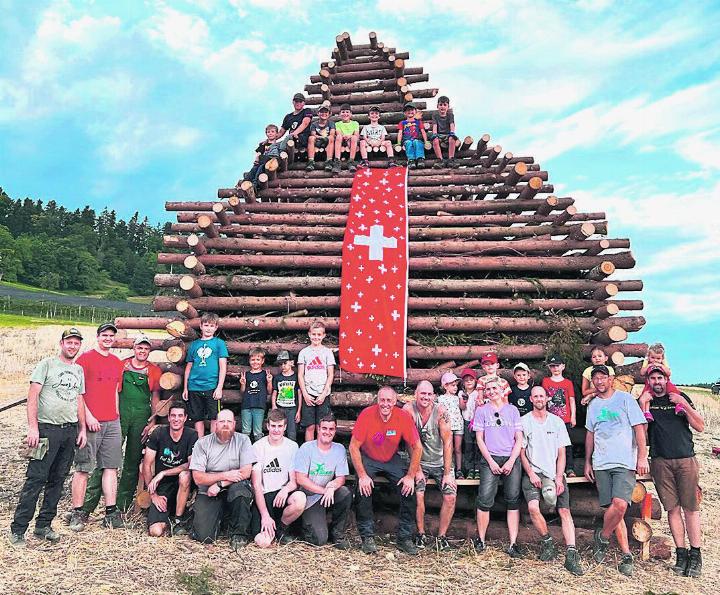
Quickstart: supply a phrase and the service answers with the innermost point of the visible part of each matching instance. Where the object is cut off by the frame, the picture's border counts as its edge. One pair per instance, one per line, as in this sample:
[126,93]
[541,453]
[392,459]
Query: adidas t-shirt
[316,360]
[276,462]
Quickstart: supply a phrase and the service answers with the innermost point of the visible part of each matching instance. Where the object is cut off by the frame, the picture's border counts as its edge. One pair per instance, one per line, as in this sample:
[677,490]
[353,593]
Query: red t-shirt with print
[381,439]
[103,378]
[559,394]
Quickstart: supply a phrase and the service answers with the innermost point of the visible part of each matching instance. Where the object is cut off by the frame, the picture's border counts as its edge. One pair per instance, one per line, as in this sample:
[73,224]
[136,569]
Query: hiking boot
[421,163]
[285,538]
[78,520]
[514,551]
[336,167]
[626,565]
[412,164]
[406,545]
[442,544]
[342,544]
[681,561]
[600,546]
[478,545]
[17,540]
[368,545]
[451,163]
[694,566]
[179,525]
[548,551]
[310,165]
[572,562]
[114,520]
[47,534]
[328,165]
[421,540]
[392,163]
[364,163]
[238,542]
[352,166]
[438,164]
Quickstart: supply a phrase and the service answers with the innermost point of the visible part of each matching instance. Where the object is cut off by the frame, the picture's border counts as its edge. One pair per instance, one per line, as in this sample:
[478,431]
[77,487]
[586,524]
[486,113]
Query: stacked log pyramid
[496,260]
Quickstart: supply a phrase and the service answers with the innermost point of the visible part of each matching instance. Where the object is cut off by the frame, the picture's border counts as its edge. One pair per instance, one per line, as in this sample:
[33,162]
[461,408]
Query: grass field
[17,321]
[128,561]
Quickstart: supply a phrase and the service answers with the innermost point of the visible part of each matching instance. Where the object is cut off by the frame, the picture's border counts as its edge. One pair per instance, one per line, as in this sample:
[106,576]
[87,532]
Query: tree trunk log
[189,285]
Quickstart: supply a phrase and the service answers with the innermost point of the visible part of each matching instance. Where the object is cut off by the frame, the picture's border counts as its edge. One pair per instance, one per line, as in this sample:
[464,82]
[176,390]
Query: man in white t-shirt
[543,459]
[277,500]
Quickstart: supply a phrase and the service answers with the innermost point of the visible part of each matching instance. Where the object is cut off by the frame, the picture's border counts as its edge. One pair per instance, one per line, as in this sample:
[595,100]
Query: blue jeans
[290,412]
[488,486]
[414,149]
[252,422]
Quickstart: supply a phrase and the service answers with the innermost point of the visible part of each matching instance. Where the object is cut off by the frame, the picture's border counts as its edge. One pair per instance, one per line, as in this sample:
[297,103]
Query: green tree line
[49,246]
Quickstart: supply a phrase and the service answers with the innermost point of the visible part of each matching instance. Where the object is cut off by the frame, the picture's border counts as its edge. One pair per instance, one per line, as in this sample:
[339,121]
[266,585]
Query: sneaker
[114,520]
[328,165]
[342,544]
[238,542]
[364,163]
[421,540]
[572,562]
[442,544]
[352,166]
[412,164]
[451,163]
[336,167]
[368,545]
[459,474]
[694,566]
[17,540]
[392,163]
[310,165]
[478,545]
[548,551]
[78,520]
[421,163]
[179,525]
[438,164]
[626,565]
[406,545]
[514,551]
[47,534]
[600,546]
[681,561]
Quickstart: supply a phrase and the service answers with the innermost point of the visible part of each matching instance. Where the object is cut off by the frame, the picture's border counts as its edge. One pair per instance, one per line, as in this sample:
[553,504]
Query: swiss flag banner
[373,297]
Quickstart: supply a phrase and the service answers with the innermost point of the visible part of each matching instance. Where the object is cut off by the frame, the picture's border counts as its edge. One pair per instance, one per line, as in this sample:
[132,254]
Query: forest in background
[49,246]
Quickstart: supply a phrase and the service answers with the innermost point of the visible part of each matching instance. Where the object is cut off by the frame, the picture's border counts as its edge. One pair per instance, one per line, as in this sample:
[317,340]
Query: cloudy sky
[128,104]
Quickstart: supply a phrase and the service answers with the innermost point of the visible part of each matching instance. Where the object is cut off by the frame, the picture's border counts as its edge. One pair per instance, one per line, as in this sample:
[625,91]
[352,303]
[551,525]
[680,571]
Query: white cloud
[703,149]
[186,36]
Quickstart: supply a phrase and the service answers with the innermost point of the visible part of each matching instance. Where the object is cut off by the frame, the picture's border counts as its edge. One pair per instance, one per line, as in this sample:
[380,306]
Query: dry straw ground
[126,561]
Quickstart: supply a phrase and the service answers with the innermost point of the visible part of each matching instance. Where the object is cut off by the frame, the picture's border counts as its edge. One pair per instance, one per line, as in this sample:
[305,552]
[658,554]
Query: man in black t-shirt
[297,123]
[166,472]
[674,468]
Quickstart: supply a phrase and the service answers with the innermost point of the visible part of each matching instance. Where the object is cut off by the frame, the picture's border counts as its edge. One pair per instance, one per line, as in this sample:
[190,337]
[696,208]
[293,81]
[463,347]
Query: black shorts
[321,142]
[275,513]
[201,405]
[168,488]
[310,415]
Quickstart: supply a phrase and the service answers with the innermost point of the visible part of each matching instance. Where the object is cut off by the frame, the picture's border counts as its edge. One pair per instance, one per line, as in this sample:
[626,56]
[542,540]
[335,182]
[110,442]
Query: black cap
[323,108]
[283,356]
[374,108]
[71,332]
[554,360]
[599,370]
[409,105]
[346,106]
[106,326]
[298,97]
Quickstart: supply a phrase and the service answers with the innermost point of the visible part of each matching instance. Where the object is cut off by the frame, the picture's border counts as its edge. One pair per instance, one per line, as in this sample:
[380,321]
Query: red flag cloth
[373,297]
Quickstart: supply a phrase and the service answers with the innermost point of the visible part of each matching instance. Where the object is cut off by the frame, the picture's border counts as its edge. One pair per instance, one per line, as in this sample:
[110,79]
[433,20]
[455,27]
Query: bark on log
[190,286]
[612,334]
[492,155]
[369,98]
[581,232]
[605,311]
[547,206]
[482,145]
[246,187]
[531,189]
[219,210]
[607,290]
[595,248]
[565,216]
[390,106]
[373,39]
[602,270]
[368,75]
[186,309]
[207,226]
[192,263]
[236,204]
[196,245]
[504,161]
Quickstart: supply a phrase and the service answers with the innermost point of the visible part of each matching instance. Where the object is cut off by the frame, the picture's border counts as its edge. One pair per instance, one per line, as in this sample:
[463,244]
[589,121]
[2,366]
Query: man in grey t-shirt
[221,465]
[56,423]
[320,470]
[614,452]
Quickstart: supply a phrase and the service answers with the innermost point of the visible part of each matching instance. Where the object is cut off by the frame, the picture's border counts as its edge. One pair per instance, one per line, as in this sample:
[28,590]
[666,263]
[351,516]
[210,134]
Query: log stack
[497,261]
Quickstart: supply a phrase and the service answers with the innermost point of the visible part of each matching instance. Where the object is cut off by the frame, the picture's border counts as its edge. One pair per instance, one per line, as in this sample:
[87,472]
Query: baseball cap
[141,339]
[298,97]
[409,105]
[447,378]
[283,356]
[521,366]
[106,326]
[374,108]
[489,358]
[549,491]
[599,370]
[323,108]
[655,368]
[71,332]
[469,372]
[554,360]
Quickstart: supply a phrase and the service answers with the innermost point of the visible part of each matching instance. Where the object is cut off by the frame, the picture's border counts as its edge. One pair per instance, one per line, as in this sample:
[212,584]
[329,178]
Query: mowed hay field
[127,561]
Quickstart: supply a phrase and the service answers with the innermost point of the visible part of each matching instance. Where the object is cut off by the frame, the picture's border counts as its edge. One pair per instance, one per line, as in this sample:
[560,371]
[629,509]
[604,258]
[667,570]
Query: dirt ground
[127,561]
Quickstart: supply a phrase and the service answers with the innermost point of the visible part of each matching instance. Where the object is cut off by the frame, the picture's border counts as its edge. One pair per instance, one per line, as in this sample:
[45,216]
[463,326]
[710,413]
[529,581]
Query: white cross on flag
[373,298]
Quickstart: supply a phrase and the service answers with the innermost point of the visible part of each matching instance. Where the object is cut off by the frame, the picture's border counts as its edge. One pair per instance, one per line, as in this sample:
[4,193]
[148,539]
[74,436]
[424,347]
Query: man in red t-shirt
[561,402]
[374,447]
[103,380]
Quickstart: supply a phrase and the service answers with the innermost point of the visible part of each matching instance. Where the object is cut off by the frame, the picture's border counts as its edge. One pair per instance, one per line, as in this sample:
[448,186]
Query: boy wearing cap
[443,133]
[285,393]
[450,400]
[561,395]
[412,136]
[520,392]
[296,123]
[265,151]
[322,136]
[490,365]
[56,424]
[373,135]
[348,132]
[543,459]
[103,379]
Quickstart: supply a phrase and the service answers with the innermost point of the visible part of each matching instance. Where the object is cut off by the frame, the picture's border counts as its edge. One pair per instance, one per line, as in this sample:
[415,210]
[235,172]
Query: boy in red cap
[490,366]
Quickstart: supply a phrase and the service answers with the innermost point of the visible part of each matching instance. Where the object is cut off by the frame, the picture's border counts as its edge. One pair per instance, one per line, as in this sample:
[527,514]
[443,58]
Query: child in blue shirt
[412,136]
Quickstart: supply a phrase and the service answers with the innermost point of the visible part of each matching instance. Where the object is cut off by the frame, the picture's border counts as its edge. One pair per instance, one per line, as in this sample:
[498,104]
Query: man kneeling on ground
[166,469]
[278,503]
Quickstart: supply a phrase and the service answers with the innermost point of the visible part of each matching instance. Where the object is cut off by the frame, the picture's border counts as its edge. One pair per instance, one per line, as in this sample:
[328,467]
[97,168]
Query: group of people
[84,409]
[316,132]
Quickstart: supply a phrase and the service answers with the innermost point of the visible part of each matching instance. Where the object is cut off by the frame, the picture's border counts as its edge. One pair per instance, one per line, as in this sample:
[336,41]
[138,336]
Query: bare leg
[388,148]
[363,149]
[538,520]
[483,520]
[677,526]
[109,486]
[436,148]
[183,493]
[451,147]
[310,433]
[330,149]
[353,147]
[621,535]
[457,447]
[447,510]
[692,522]
[311,147]
[200,428]
[79,485]
[613,515]
[420,512]
[513,521]
[213,423]
[568,526]
[294,507]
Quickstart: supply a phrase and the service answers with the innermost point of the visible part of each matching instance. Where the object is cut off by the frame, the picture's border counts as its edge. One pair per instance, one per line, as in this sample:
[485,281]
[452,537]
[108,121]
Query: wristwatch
[219,484]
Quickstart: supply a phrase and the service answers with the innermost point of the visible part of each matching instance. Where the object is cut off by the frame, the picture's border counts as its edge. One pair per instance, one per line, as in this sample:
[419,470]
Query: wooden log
[196,245]
[219,210]
[186,309]
[262,182]
[547,206]
[342,48]
[609,309]
[606,290]
[237,206]
[595,248]
[384,107]
[565,216]
[531,189]
[180,329]
[399,67]
[516,173]
[373,40]
[504,161]
[367,75]
[617,358]
[482,145]
[248,191]
[612,334]
[171,381]
[581,232]
[176,354]
[492,155]
[362,86]
[346,40]
[190,286]
[367,98]
[207,226]
[601,270]
[193,264]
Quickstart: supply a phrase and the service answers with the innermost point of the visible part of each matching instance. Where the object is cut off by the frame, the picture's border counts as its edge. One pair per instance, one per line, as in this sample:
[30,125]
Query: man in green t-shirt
[347,133]
[56,423]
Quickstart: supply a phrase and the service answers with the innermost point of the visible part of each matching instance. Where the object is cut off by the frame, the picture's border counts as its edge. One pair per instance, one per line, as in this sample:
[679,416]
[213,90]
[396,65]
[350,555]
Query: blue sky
[129,104]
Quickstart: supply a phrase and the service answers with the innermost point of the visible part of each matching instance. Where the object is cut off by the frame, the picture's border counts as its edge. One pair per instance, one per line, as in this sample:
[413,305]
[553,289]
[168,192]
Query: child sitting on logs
[598,357]
[656,357]
[451,401]
[412,137]
[373,136]
[490,365]
[265,151]
[322,136]
[346,135]
[443,133]
[255,386]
